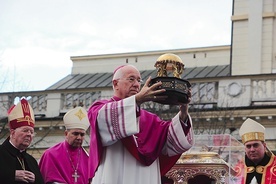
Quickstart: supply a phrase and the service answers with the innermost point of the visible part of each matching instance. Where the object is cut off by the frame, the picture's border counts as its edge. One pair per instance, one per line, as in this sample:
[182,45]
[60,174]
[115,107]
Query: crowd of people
[128,145]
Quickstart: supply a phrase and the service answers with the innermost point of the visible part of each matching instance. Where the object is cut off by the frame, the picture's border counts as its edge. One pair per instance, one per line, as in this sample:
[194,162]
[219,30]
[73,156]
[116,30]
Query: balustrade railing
[205,93]
[264,90]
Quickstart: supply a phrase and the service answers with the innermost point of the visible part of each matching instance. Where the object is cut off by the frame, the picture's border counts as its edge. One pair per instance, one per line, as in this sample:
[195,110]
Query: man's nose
[252,148]
[136,82]
[79,136]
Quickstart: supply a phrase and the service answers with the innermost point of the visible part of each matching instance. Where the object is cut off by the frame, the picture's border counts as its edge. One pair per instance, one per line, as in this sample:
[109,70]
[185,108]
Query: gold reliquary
[169,68]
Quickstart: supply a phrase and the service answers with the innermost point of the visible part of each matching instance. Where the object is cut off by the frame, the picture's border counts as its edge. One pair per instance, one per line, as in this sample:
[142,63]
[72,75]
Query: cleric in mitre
[67,162]
[260,162]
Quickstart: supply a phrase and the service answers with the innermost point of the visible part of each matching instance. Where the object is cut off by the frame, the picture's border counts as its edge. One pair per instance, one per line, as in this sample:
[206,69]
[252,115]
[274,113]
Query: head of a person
[21,122]
[253,138]
[76,123]
[126,81]
[255,150]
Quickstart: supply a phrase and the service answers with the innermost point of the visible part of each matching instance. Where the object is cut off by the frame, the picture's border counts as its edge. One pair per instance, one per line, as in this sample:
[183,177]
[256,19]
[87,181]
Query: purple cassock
[63,164]
[152,136]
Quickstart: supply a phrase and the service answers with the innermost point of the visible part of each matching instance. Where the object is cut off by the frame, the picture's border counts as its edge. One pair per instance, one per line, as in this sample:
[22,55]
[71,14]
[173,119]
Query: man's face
[255,150]
[22,137]
[129,84]
[75,137]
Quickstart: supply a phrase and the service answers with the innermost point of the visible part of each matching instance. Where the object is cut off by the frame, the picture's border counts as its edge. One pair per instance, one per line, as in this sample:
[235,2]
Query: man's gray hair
[117,74]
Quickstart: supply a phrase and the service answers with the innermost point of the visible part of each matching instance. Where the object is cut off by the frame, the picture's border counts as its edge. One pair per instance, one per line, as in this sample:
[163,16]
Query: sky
[38,37]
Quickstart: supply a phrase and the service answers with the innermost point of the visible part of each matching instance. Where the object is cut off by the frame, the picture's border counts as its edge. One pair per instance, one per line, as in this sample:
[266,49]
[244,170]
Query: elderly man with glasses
[132,145]
[67,162]
[16,165]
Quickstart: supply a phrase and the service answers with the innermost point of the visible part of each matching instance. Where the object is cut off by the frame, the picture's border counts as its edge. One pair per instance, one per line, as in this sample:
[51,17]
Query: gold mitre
[252,131]
[169,63]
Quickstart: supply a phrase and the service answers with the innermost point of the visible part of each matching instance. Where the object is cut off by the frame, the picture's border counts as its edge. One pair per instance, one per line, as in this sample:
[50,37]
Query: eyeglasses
[133,79]
[78,133]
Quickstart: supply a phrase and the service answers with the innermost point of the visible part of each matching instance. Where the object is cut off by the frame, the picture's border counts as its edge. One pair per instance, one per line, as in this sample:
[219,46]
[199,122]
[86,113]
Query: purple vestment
[55,165]
[152,137]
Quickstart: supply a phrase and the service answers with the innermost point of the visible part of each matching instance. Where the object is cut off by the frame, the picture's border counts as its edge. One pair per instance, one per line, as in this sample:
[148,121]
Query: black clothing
[9,163]
[252,165]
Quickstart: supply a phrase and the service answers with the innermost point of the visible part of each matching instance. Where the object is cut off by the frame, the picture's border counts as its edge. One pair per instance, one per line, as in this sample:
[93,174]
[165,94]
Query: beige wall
[207,56]
[253,37]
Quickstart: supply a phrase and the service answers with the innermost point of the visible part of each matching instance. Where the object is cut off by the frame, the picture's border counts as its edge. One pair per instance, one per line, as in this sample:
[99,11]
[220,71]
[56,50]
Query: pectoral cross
[76,176]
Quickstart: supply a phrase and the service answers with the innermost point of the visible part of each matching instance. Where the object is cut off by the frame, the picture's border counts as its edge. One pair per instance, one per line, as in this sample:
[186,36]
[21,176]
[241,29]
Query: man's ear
[12,132]
[115,84]
[66,132]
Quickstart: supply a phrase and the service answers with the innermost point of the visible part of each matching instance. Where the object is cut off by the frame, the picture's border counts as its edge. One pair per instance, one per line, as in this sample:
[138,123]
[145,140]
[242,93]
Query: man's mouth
[134,90]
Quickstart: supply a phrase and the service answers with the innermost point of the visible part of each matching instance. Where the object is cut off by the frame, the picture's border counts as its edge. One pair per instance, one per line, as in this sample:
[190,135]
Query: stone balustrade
[226,92]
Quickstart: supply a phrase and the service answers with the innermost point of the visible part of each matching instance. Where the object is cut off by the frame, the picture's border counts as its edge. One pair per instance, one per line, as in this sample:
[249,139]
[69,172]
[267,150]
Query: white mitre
[252,131]
[76,118]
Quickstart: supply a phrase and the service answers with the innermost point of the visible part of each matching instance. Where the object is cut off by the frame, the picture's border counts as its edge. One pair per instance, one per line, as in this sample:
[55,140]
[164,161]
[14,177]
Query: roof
[101,80]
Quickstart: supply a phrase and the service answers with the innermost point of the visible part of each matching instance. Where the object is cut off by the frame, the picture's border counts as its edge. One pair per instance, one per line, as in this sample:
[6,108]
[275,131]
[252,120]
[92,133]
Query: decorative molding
[234,89]
[239,17]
